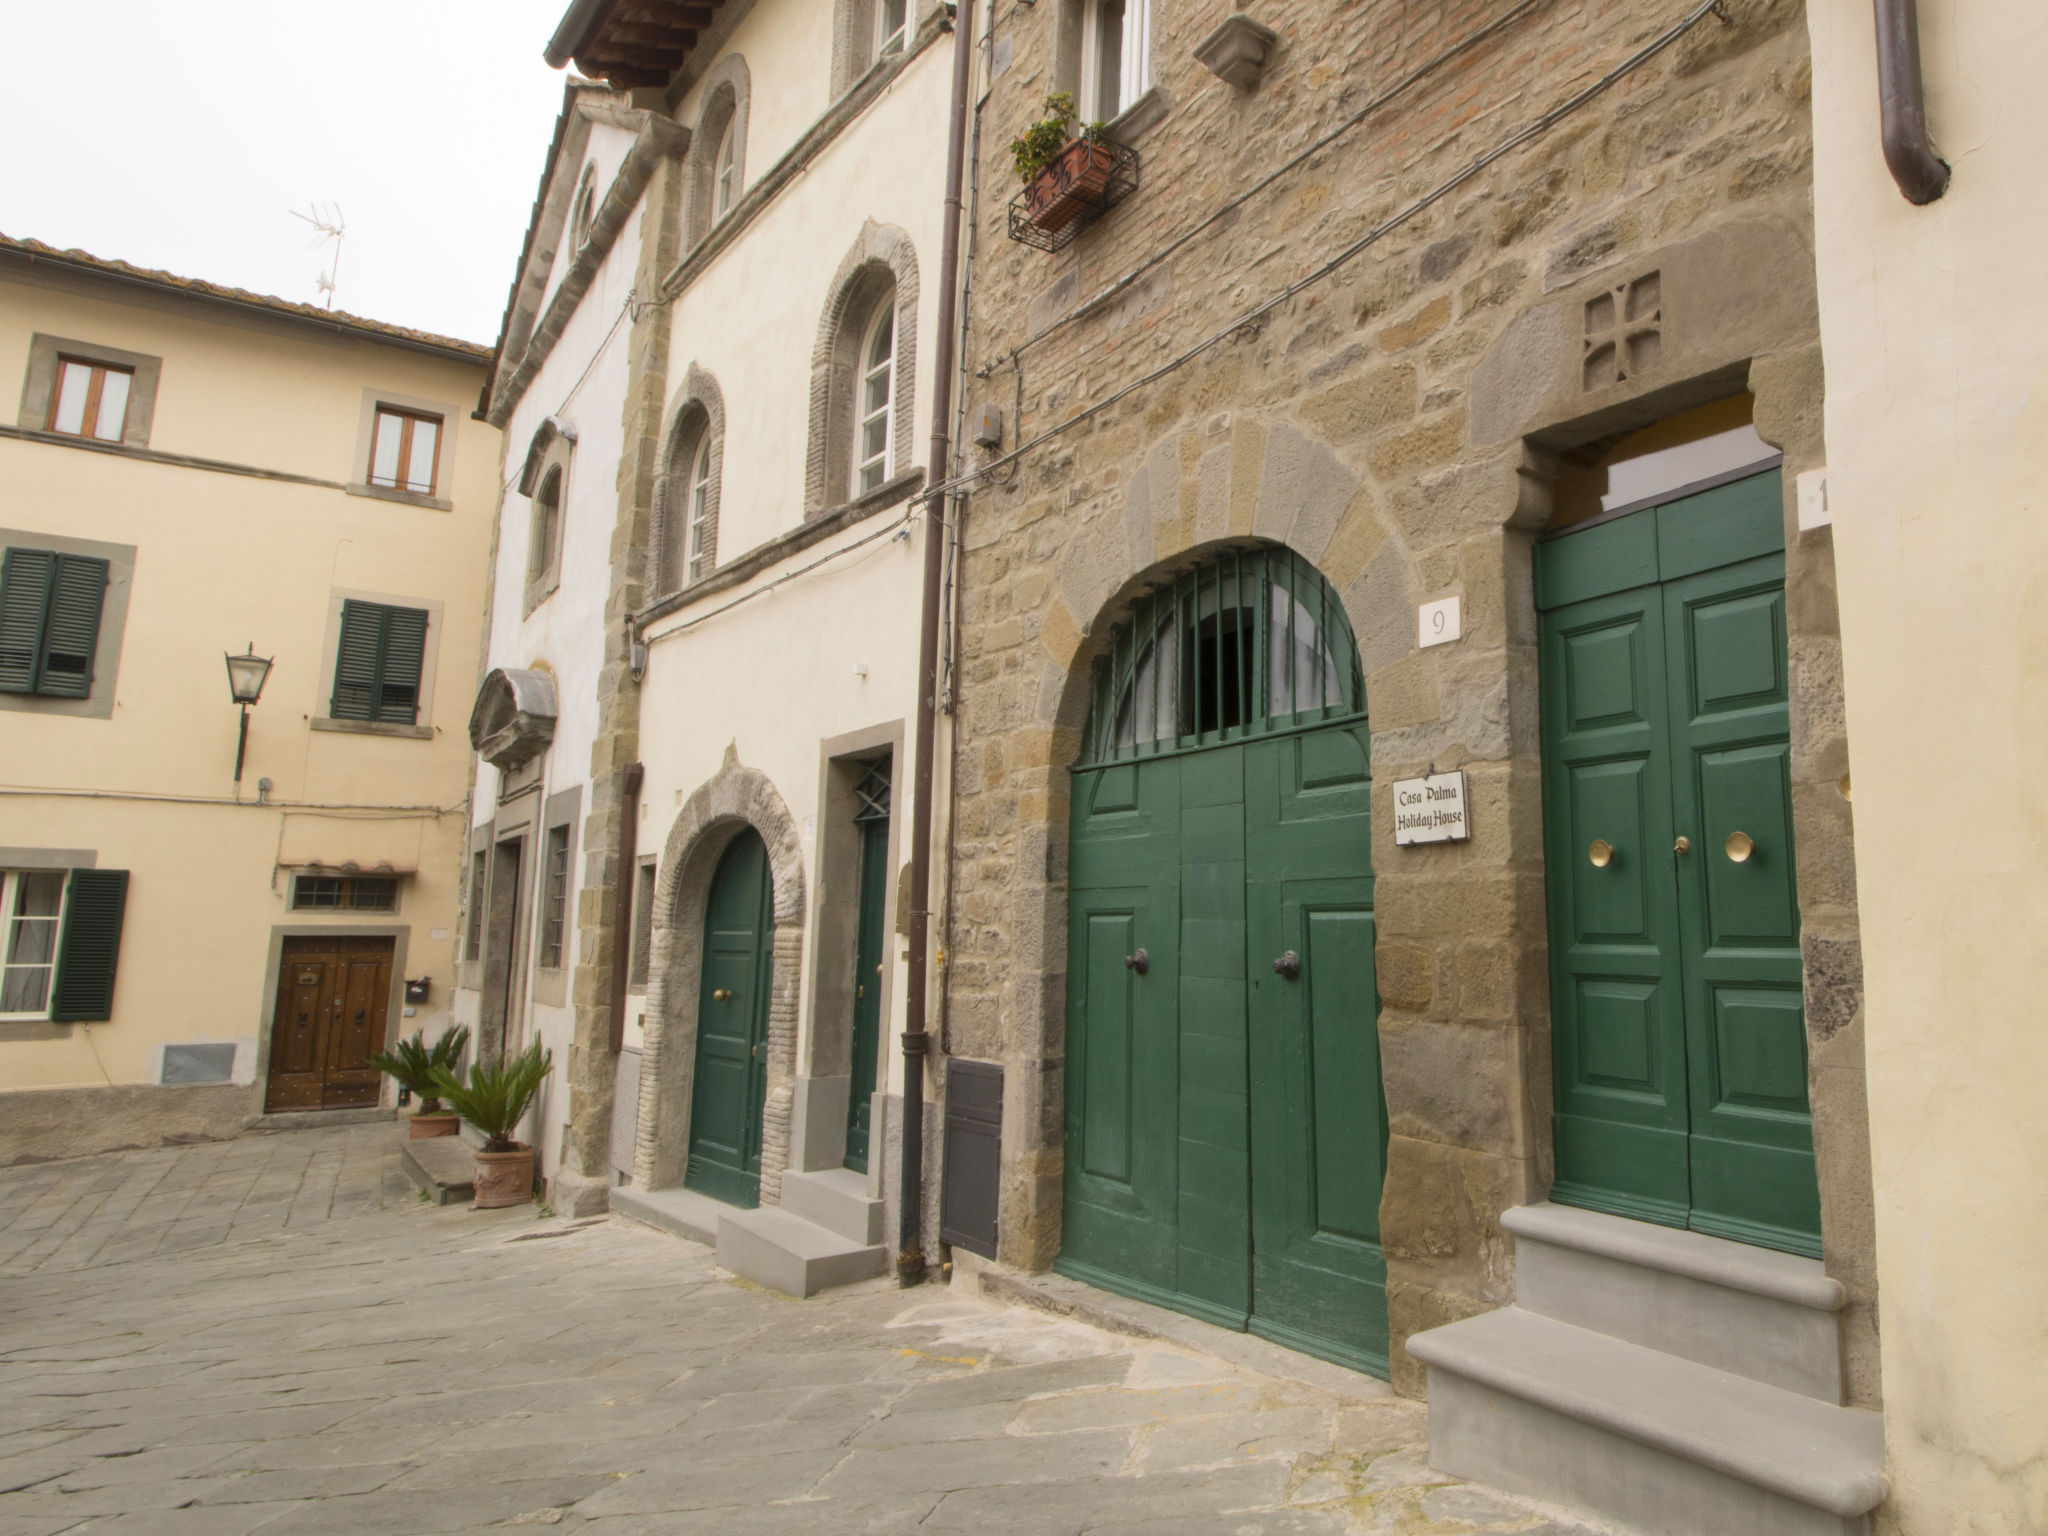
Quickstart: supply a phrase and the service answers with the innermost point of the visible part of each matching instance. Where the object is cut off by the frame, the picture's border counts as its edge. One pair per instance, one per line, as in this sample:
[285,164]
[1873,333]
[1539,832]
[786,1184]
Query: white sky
[179,136]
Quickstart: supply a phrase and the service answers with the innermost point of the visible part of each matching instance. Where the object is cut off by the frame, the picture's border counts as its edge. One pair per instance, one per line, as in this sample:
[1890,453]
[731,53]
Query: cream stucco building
[716,383]
[194,471]
[1933,321]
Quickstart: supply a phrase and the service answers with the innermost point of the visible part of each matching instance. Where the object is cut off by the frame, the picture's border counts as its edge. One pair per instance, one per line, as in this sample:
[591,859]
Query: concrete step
[781,1250]
[683,1212]
[837,1200]
[1750,1311]
[1663,1445]
[443,1166]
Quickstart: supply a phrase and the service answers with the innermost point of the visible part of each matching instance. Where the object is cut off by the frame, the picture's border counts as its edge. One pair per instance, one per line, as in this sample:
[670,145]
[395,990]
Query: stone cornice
[656,138]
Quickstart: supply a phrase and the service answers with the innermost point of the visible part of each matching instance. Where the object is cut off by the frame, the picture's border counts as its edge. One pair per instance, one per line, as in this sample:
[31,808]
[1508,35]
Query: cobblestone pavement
[274,1335]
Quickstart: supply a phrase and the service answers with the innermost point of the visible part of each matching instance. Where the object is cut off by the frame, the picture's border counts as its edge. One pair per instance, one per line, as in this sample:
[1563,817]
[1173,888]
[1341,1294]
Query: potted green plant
[1064,172]
[495,1100]
[411,1064]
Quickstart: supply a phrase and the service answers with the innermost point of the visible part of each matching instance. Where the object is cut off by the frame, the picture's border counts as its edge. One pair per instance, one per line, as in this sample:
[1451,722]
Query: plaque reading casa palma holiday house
[1431,809]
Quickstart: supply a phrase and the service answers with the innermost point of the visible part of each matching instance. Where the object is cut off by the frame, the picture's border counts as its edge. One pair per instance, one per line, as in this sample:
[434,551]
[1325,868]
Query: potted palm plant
[495,1100]
[411,1064]
[1064,173]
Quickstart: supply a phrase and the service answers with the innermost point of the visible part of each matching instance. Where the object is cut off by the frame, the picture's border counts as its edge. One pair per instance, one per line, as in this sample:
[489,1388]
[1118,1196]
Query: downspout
[1922,175]
[622,901]
[916,1043]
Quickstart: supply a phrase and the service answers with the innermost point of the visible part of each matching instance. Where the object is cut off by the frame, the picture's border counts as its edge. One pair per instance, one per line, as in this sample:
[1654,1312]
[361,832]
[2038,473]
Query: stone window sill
[406,498]
[538,592]
[887,494]
[1140,117]
[373,728]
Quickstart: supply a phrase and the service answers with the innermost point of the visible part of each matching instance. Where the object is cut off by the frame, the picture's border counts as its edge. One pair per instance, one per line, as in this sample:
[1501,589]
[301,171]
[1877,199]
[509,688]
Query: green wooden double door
[1226,1130]
[1676,985]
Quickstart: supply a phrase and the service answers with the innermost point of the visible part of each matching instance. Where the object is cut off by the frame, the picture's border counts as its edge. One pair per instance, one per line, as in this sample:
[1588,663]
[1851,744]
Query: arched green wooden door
[730,1085]
[1226,1130]
[1676,984]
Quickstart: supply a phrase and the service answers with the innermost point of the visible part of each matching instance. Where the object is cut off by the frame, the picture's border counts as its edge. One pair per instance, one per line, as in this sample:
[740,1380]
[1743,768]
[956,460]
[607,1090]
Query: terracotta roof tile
[36,250]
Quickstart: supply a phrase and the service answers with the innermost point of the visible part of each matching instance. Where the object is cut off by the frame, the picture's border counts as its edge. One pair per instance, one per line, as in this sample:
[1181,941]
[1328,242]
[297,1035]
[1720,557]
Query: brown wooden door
[332,1000]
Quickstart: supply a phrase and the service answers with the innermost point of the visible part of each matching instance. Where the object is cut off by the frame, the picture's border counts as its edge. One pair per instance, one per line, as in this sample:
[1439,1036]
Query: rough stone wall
[1398,423]
[584,1182]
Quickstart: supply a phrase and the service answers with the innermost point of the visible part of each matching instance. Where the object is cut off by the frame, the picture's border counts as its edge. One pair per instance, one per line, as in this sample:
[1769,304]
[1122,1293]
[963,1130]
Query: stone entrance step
[443,1166]
[1682,1385]
[837,1200]
[771,1246]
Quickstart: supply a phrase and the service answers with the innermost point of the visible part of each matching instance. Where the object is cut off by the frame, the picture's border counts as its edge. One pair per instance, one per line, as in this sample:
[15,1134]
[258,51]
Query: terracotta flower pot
[504,1178]
[441,1123]
[1070,186]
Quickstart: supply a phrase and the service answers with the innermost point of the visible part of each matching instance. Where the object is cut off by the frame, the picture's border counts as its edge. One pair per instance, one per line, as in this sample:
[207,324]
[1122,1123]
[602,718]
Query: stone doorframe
[1462,951]
[734,798]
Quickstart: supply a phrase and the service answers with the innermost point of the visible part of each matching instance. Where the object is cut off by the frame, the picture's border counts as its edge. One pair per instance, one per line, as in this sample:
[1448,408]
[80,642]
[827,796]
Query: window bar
[1244,697]
[1323,655]
[1287,570]
[1099,668]
[1148,633]
[1116,688]
[1190,722]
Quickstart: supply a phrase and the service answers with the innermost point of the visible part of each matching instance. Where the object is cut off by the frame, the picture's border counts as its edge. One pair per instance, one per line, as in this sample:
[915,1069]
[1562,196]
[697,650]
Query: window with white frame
[90,400]
[1116,49]
[700,509]
[405,450]
[874,428]
[32,907]
[892,26]
[724,169]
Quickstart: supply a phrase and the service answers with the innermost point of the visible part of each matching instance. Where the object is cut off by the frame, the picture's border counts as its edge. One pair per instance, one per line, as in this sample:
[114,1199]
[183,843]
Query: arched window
[1250,642]
[546,529]
[701,508]
[724,173]
[892,26]
[874,435]
[586,205]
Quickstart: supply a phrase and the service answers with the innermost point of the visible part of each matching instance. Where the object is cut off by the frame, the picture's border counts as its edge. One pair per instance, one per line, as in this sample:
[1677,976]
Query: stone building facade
[1385,305]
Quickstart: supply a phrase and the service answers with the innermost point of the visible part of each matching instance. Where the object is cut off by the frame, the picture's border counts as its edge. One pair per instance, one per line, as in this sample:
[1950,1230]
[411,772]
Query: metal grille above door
[1248,643]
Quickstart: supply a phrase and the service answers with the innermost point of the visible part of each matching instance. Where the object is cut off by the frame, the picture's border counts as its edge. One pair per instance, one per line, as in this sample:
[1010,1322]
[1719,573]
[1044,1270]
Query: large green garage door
[1226,1132]
[1676,997]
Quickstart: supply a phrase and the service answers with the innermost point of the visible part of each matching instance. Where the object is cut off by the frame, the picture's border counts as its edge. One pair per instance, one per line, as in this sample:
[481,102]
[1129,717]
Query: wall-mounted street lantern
[246,676]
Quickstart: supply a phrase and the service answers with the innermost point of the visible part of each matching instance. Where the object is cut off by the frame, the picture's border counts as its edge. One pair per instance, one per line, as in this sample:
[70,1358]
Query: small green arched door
[1226,1130]
[730,1085]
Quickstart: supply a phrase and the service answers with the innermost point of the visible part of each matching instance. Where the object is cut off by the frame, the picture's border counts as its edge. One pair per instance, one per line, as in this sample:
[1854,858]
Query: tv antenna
[329,225]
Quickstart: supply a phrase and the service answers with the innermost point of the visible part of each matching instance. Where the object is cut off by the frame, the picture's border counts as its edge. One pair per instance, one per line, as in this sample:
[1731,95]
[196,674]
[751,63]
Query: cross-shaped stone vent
[1624,332]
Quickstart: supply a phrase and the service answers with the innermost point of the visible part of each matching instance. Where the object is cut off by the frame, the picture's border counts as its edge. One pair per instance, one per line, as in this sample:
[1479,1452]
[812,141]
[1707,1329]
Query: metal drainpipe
[916,1044]
[1922,175]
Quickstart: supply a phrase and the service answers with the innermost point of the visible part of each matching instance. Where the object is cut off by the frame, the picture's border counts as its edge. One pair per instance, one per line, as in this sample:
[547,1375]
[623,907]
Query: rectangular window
[554,897]
[479,866]
[1116,57]
[643,929]
[403,449]
[377,664]
[90,400]
[49,621]
[344,893]
[31,904]
[892,24]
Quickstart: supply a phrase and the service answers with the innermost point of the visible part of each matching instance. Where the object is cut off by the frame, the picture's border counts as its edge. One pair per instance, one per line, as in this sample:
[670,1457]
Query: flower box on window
[1088,177]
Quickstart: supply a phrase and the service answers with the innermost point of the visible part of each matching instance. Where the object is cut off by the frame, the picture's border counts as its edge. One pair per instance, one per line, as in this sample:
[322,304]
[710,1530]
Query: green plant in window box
[1063,172]
[495,1100]
[411,1065]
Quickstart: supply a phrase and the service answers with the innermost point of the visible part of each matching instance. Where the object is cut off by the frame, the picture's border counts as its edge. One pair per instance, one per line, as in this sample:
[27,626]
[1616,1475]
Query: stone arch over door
[735,797]
[1193,493]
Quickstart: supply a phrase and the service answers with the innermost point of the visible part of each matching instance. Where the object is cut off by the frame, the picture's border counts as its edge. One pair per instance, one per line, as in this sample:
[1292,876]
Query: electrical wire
[361,812]
[887,531]
[1373,236]
[1386,98]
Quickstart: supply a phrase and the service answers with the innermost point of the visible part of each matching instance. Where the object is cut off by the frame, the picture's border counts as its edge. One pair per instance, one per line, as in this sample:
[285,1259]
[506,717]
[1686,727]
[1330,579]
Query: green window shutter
[72,631]
[94,904]
[25,580]
[405,648]
[358,661]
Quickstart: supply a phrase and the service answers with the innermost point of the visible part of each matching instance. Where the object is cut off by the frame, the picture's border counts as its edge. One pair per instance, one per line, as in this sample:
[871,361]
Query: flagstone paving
[274,1335]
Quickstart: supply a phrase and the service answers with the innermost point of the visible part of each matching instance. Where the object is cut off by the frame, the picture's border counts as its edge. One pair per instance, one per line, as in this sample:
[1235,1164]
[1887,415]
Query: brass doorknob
[1739,847]
[1683,845]
[1600,853]
[721,996]
[1288,966]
